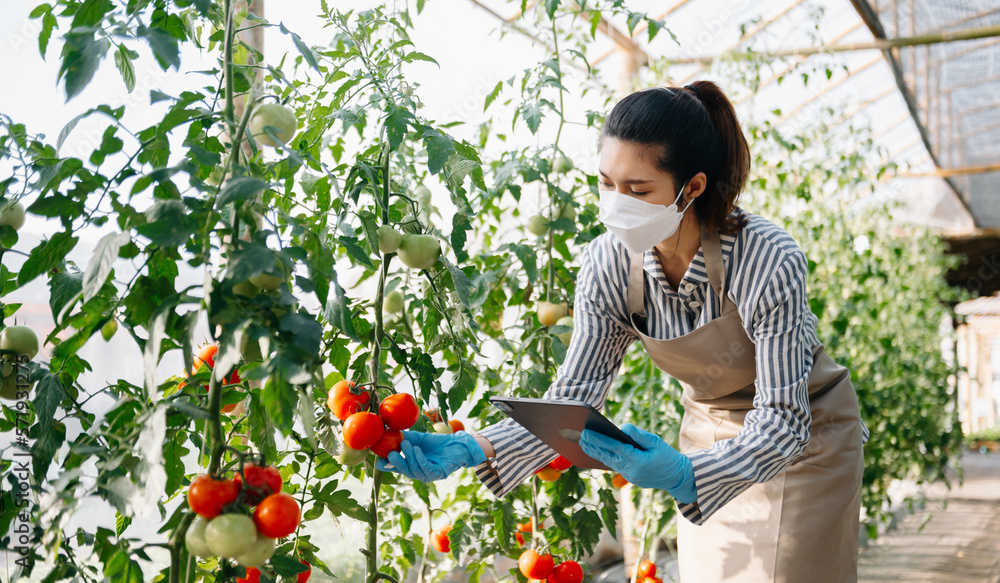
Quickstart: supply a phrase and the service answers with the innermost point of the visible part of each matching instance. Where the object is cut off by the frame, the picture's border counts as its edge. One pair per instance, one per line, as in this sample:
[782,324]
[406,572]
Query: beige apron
[801,526]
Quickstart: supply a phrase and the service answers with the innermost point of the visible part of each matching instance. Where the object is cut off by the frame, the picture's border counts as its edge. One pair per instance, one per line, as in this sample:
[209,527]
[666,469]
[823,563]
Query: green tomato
[538,225]
[280,119]
[423,196]
[565,336]
[13,215]
[411,224]
[261,551]
[388,239]
[419,251]
[108,329]
[351,457]
[194,538]
[393,302]
[562,165]
[267,281]
[245,289]
[230,535]
[568,212]
[20,339]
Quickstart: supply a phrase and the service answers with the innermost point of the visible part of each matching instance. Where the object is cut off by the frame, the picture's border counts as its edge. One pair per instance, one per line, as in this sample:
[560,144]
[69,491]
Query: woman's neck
[677,252]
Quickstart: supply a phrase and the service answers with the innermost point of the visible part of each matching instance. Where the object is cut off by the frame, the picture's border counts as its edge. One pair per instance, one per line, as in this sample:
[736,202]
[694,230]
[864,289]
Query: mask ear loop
[681,194]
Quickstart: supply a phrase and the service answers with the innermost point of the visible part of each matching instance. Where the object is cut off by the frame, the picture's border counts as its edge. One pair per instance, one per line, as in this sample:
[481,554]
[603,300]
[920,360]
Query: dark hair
[697,129]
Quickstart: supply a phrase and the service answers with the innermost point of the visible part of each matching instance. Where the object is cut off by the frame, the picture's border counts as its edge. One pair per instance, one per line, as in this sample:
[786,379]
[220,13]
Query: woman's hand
[656,465]
[433,456]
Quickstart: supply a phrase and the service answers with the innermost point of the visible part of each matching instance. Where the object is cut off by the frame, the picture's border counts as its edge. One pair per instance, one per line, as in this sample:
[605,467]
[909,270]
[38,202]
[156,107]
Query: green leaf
[355,251]
[339,314]
[164,47]
[396,123]
[48,25]
[168,224]
[528,259]
[48,396]
[39,10]
[46,256]
[287,566]
[81,56]
[91,13]
[439,146]
[463,386]
[45,447]
[306,52]
[101,264]
[173,462]
[261,428]
[463,286]
[121,523]
[123,61]
[65,287]
[184,405]
[240,188]
[493,95]
[121,568]
[533,115]
[279,398]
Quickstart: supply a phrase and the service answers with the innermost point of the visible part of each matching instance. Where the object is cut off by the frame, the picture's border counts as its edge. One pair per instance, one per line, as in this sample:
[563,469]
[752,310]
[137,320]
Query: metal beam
[963,171]
[872,22]
[880,44]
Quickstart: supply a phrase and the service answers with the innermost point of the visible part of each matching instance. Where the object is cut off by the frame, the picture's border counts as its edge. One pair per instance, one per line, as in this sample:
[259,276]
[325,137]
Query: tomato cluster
[542,567]
[365,430]
[553,470]
[645,572]
[223,527]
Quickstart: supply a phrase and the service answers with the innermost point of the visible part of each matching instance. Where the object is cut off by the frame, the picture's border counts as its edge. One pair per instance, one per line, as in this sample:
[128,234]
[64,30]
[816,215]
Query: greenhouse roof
[925,74]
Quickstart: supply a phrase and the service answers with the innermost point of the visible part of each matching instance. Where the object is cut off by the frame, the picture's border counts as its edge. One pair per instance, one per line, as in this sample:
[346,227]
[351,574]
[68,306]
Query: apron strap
[636,286]
[716,268]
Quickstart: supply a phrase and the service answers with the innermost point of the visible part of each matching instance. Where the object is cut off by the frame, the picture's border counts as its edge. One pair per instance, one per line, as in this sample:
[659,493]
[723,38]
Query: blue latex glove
[656,465]
[432,456]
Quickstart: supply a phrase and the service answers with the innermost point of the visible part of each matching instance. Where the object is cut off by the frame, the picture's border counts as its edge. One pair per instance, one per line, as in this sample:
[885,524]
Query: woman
[768,476]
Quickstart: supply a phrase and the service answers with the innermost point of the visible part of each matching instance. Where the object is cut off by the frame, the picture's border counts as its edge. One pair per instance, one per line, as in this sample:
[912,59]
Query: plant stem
[228,66]
[373,574]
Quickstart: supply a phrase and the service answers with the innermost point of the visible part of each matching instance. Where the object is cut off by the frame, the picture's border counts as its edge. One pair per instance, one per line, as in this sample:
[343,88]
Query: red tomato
[619,481]
[261,482]
[560,463]
[389,441]
[399,411]
[304,575]
[525,527]
[547,474]
[208,496]
[342,402]
[567,572]
[253,576]
[206,354]
[440,540]
[646,569]
[277,516]
[534,565]
[433,415]
[456,425]
[362,430]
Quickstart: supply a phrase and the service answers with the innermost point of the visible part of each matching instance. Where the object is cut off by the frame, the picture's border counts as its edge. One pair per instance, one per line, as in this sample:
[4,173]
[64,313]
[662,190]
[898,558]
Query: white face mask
[639,225]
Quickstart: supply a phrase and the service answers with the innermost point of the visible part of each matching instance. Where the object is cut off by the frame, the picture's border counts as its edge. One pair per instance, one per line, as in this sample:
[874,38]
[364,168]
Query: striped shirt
[766,276]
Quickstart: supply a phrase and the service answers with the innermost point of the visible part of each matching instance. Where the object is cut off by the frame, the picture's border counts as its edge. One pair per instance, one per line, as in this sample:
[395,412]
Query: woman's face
[629,168]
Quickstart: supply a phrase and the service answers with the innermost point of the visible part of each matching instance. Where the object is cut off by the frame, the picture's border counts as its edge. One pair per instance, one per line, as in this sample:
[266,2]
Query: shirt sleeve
[776,430]
[601,335]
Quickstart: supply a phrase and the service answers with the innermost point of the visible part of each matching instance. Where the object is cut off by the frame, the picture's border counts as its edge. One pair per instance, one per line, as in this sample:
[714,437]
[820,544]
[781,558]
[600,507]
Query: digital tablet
[559,423]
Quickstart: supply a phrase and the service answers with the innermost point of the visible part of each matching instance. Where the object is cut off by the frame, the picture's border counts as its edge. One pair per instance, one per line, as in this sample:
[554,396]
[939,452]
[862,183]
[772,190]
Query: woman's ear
[696,185]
